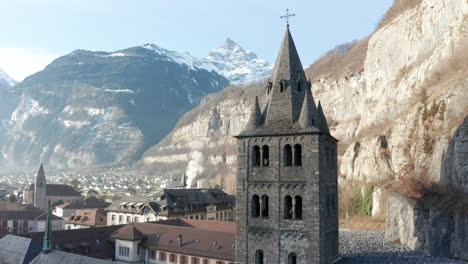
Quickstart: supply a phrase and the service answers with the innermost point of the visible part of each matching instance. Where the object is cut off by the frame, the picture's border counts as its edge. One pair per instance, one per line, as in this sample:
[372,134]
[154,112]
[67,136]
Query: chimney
[179,240]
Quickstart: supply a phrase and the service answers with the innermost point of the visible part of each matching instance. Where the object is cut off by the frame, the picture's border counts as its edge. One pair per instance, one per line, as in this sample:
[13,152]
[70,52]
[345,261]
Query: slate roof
[183,200]
[60,257]
[57,190]
[88,217]
[95,238]
[133,205]
[29,215]
[18,250]
[204,242]
[88,203]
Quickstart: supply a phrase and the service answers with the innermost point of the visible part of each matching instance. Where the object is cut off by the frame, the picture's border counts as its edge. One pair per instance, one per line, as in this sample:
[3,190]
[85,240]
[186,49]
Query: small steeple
[183,181]
[307,119]
[256,118]
[47,244]
[323,119]
[41,173]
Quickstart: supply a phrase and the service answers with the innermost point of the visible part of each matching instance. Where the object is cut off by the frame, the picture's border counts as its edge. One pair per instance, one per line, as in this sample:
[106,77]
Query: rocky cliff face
[394,116]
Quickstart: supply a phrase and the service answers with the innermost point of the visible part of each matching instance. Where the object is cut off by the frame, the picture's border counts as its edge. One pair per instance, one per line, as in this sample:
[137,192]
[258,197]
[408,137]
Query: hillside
[101,108]
[393,100]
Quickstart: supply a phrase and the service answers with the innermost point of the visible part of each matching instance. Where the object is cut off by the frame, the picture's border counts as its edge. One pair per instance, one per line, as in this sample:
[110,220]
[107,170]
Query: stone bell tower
[40,186]
[287,198]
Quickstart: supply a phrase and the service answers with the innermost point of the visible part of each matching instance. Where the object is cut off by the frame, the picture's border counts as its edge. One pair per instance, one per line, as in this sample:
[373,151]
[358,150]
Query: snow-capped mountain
[5,80]
[239,66]
[93,108]
[230,60]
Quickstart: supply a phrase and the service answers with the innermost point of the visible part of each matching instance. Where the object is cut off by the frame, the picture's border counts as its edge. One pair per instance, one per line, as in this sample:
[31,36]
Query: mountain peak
[5,79]
[230,44]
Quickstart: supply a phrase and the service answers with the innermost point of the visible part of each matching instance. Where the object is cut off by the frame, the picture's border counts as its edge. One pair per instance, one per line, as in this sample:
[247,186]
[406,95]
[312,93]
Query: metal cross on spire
[287,16]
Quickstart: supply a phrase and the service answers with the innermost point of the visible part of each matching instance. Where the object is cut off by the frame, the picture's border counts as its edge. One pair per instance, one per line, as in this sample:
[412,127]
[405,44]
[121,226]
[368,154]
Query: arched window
[288,207]
[256,156]
[281,86]
[292,258]
[266,155]
[298,207]
[298,86]
[255,206]
[259,257]
[297,155]
[265,206]
[287,155]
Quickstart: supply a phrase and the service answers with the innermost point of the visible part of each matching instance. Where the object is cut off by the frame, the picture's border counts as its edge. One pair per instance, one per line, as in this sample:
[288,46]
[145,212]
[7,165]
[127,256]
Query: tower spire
[47,244]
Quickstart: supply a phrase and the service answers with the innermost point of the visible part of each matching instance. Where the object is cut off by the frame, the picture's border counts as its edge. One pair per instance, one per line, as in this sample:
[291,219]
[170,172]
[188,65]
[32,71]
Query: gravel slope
[369,247]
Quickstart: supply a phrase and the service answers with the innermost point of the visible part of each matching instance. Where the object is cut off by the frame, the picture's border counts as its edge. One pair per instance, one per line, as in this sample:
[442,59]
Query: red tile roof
[89,217]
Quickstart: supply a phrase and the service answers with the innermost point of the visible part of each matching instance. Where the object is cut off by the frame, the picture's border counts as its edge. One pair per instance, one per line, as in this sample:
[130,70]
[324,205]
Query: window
[124,251]
[205,261]
[298,86]
[297,155]
[288,207]
[259,257]
[162,256]
[287,155]
[219,262]
[281,86]
[256,156]
[113,219]
[255,206]
[172,257]
[136,219]
[183,260]
[153,254]
[292,258]
[138,250]
[298,207]
[195,260]
[265,156]
[265,205]
[120,219]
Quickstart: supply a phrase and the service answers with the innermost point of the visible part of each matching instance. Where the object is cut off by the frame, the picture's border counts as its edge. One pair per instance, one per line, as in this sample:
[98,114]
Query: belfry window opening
[256,156]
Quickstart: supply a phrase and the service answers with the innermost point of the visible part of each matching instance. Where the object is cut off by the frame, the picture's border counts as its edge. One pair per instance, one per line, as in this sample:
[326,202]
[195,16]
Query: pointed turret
[256,118]
[47,245]
[323,119]
[308,117]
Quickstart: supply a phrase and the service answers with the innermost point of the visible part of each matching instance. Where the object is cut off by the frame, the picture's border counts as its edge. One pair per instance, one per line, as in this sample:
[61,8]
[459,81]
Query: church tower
[287,198]
[40,186]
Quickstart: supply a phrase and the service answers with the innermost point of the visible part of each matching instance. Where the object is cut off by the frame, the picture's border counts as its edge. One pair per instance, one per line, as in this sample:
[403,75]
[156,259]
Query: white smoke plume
[194,167]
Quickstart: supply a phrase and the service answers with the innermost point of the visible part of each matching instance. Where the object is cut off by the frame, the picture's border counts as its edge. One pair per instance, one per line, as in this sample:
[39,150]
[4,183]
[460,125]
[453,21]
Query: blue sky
[34,32]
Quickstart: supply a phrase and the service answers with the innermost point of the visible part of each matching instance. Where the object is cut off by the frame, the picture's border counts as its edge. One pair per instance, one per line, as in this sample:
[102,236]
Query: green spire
[47,247]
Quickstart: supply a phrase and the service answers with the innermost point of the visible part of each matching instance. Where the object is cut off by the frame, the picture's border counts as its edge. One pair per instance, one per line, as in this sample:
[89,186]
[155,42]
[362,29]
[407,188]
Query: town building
[65,210]
[41,195]
[86,218]
[132,209]
[196,204]
[287,195]
[27,221]
[189,242]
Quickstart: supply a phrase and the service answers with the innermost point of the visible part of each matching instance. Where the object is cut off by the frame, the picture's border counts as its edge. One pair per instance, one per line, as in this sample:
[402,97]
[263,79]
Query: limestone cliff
[394,114]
